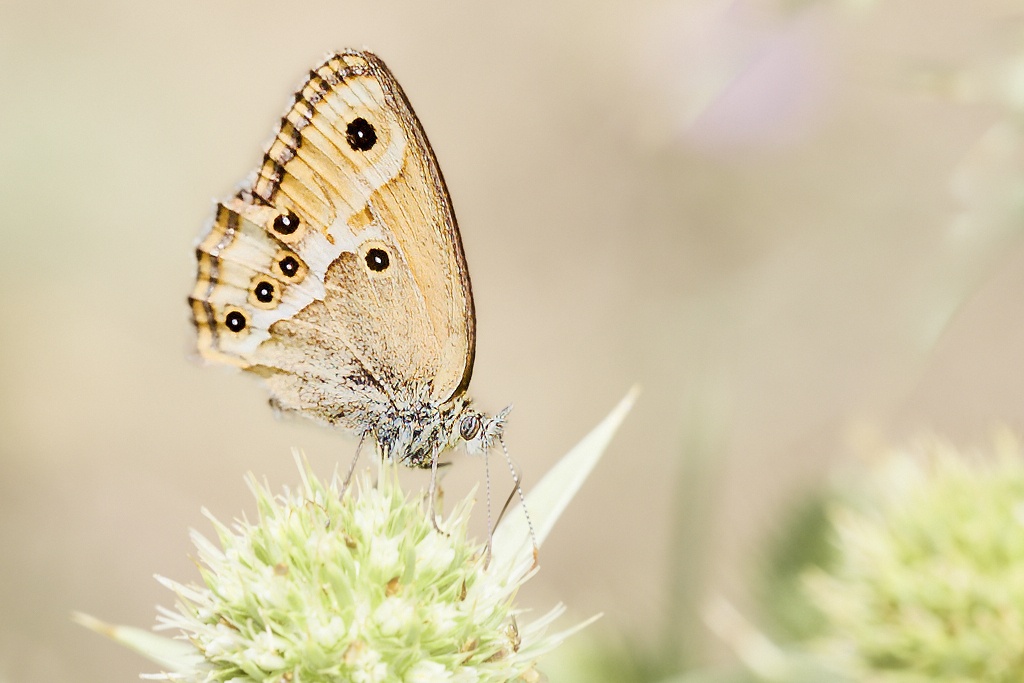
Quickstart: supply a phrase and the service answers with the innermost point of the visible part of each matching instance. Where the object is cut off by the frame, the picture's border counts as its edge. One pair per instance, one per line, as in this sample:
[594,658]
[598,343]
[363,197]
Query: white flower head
[363,587]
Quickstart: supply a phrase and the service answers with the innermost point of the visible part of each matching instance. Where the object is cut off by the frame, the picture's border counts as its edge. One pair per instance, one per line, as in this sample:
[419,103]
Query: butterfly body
[337,272]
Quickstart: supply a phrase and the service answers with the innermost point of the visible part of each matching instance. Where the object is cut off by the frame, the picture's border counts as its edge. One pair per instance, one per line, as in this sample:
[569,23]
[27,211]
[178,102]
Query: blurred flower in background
[927,582]
[733,75]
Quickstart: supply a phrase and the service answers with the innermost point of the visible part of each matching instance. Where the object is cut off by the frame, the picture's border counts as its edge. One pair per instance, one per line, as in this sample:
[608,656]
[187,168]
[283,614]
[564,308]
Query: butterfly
[337,273]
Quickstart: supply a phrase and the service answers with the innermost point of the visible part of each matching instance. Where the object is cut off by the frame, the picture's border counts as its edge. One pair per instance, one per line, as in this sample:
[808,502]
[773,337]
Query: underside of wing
[338,272]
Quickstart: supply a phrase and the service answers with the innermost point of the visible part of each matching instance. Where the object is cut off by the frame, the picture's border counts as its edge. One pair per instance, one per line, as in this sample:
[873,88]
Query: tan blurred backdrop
[793,224]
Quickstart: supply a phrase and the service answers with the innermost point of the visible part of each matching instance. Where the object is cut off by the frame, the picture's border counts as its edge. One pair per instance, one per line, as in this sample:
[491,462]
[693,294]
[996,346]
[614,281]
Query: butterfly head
[479,431]
[414,435]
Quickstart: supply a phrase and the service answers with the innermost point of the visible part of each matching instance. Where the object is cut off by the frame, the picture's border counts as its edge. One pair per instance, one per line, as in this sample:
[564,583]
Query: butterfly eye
[469,426]
[235,321]
[286,223]
[361,135]
[377,260]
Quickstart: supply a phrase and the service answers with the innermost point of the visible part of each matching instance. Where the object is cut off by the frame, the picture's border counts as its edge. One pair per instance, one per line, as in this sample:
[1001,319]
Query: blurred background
[795,223]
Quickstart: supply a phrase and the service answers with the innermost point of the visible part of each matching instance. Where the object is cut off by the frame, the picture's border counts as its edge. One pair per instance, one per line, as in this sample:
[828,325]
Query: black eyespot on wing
[377,259]
[264,292]
[235,321]
[361,135]
[286,223]
[289,265]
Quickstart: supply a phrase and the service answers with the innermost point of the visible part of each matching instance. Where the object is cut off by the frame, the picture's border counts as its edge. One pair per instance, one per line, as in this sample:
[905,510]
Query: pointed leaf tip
[551,495]
[173,655]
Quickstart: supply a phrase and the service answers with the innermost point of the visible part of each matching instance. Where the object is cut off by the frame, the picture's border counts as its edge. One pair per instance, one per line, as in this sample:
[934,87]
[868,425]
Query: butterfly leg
[352,467]
[432,491]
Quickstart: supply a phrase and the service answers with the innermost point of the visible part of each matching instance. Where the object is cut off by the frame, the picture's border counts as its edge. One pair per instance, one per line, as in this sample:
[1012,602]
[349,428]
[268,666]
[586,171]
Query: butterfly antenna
[352,467]
[490,524]
[518,481]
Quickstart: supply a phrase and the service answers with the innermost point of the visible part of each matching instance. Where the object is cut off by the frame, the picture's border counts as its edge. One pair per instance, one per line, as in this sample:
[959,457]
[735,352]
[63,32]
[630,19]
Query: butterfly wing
[338,273]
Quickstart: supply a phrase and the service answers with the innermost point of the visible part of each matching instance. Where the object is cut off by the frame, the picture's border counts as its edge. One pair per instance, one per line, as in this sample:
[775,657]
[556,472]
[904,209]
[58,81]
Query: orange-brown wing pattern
[338,273]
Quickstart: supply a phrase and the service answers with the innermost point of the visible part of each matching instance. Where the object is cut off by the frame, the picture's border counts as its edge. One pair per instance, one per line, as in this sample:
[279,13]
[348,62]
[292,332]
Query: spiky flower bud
[360,587]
